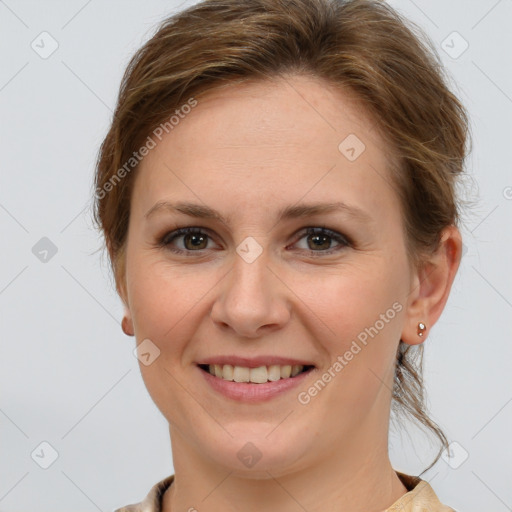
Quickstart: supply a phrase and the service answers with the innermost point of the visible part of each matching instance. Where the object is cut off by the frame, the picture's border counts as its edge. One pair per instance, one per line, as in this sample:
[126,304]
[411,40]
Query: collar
[420,497]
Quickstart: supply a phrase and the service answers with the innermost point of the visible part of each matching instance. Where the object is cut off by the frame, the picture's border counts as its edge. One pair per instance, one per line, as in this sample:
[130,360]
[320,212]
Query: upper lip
[254,362]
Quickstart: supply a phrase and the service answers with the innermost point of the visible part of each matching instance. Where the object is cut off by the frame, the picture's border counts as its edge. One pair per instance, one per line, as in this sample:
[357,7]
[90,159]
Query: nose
[252,300]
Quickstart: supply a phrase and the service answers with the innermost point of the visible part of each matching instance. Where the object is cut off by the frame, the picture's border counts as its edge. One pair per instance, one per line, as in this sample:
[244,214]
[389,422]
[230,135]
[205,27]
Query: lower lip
[250,392]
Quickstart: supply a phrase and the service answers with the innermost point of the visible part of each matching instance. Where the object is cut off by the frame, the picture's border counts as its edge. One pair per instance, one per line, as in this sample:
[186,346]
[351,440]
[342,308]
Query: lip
[254,362]
[250,392]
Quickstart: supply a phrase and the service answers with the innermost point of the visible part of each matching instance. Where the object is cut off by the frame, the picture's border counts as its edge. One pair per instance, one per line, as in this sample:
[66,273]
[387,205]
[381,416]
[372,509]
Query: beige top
[420,498]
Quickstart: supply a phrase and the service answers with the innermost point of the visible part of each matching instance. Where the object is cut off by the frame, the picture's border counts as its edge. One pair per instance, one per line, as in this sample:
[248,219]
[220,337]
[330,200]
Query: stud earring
[421,329]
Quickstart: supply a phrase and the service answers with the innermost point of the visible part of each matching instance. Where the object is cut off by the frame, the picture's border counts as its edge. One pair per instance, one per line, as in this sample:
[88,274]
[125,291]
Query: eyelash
[344,241]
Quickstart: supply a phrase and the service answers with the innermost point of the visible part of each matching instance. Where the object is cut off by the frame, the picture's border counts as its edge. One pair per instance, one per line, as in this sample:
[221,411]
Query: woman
[277,195]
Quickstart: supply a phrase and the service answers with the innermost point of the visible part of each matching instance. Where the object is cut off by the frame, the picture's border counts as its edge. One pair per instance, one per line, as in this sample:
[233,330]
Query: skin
[247,151]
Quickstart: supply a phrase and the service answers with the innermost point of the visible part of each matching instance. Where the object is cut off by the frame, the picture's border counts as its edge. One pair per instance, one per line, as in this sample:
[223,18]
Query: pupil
[322,239]
[196,240]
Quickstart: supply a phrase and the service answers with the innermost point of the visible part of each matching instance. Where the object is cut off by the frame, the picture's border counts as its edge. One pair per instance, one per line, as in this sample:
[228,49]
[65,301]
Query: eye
[188,239]
[320,240]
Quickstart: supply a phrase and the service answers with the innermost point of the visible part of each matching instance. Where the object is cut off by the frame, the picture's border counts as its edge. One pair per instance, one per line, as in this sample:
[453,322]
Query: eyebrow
[289,212]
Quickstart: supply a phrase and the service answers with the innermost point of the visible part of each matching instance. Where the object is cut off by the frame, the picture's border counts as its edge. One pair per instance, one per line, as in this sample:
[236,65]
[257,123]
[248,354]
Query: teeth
[296,369]
[241,374]
[274,372]
[286,371]
[258,375]
[227,372]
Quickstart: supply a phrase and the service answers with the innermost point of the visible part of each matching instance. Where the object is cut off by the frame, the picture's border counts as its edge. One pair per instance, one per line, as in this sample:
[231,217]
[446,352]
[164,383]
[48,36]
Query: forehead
[288,138]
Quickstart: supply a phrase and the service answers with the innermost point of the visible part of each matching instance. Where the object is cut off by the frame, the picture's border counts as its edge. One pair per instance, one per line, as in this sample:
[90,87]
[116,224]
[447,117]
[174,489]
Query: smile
[259,375]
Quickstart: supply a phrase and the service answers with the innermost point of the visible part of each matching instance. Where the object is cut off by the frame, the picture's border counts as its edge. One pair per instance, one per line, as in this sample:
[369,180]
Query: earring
[124,326]
[421,329]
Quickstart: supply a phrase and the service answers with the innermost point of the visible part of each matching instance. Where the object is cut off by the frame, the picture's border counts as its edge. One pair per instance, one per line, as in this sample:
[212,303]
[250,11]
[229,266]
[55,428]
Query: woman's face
[271,277]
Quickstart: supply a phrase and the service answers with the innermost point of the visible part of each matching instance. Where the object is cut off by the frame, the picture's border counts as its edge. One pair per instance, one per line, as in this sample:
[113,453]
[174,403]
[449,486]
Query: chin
[255,450]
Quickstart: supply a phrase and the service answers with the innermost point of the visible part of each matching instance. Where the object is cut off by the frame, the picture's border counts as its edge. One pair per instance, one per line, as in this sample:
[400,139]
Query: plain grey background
[68,377]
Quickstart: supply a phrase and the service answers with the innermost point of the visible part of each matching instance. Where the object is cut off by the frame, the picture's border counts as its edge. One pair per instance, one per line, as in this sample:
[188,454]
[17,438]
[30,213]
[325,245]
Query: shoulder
[153,501]
[420,497]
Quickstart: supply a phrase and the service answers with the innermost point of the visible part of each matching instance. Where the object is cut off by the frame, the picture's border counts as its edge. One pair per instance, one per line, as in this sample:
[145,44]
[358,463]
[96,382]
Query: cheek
[356,318]
[163,298]
[166,308]
[350,301]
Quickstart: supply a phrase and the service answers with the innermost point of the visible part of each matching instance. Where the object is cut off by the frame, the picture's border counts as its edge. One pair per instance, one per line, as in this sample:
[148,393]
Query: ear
[431,285]
[127,322]
[120,279]
[127,325]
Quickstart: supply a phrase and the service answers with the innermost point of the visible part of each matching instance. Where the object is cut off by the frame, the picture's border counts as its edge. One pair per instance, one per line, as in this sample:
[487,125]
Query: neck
[360,480]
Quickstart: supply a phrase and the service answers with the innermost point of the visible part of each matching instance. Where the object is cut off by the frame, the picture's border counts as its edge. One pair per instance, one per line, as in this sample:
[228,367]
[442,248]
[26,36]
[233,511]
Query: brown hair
[361,45]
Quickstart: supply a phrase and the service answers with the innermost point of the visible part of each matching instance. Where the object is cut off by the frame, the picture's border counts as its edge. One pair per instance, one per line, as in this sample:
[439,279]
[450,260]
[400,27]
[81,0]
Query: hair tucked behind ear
[361,46]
